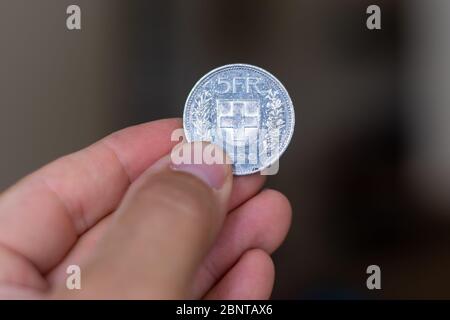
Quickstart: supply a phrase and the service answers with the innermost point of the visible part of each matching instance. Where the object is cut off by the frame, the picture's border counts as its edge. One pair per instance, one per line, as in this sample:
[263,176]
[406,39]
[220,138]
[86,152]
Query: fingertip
[265,277]
[252,278]
[214,169]
[282,213]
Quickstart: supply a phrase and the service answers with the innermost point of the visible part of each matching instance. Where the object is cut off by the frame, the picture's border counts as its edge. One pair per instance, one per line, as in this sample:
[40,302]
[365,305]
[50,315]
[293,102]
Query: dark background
[368,169]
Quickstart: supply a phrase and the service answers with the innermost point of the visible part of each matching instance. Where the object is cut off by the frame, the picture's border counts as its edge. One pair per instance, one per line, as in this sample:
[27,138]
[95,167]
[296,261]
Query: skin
[138,228]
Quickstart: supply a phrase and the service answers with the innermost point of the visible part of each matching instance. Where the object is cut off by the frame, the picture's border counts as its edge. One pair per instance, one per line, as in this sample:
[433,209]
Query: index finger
[42,216]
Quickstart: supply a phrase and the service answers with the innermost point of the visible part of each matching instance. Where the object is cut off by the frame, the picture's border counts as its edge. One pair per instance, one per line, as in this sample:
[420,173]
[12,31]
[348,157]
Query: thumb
[164,227]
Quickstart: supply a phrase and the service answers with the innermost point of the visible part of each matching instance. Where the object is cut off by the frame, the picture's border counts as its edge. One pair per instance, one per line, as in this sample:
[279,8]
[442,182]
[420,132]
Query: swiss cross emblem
[238,120]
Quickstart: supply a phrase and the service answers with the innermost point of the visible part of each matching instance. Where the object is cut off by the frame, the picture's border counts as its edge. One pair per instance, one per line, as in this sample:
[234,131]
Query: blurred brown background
[368,170]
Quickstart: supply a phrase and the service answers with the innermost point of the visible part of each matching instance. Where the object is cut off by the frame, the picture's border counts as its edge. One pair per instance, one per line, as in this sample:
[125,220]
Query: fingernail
[213,175]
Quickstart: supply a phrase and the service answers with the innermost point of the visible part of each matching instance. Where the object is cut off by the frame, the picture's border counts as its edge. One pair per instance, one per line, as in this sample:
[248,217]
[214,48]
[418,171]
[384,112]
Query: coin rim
[275,79]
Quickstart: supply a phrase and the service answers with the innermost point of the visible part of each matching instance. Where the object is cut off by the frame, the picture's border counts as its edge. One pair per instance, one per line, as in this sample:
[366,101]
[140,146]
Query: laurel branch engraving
[274,120]
[201,116]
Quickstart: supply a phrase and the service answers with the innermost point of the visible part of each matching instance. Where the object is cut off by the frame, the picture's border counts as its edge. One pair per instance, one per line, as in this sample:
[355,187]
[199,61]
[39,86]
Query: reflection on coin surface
[243,109]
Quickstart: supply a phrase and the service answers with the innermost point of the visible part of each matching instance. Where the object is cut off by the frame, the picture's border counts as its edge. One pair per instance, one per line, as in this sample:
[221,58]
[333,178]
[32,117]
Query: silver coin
[243,109]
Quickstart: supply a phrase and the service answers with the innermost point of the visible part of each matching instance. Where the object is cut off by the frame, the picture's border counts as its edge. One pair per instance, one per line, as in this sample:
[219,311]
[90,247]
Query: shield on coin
[238,121]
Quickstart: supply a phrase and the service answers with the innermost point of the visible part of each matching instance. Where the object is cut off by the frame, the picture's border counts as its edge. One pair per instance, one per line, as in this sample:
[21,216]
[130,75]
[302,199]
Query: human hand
[138,227]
